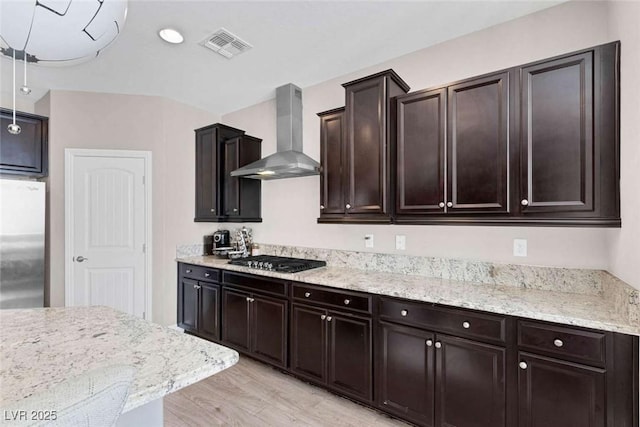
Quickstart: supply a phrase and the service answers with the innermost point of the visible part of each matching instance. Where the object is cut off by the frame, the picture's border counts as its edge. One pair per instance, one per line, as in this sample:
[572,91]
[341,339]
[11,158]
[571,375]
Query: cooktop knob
[260,264]
[248,263]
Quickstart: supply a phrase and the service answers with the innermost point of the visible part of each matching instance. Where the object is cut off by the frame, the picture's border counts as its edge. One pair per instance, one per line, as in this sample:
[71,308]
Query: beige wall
[105,121]
[624,244]
[290,207]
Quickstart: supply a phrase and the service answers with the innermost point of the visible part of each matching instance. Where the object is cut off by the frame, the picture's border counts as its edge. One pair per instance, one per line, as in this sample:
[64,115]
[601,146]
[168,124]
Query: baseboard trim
[175,327]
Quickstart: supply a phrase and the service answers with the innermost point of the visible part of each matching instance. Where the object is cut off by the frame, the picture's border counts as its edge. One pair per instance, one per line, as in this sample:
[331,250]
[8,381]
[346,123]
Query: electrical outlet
[519,247]
[368,240]
[401,242]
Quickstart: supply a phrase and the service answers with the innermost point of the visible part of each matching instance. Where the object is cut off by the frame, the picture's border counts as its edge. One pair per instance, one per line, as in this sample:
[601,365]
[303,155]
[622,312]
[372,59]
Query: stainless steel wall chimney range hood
[288,161]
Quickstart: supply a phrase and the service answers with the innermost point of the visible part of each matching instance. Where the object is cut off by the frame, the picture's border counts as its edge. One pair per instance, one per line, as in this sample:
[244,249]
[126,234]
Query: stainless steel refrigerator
[22,222]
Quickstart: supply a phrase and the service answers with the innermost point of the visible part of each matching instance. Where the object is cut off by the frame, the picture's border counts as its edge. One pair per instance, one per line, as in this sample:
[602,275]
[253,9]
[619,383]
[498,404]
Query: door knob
[235,209]
[558,342]
[323,316]
[449,204]
[524,202]
[329,318]
[523,365]
[429,343]
[321,206]
[466,325]
[307,294]
[348,206]
[441,204]
[438,344]
[81,259]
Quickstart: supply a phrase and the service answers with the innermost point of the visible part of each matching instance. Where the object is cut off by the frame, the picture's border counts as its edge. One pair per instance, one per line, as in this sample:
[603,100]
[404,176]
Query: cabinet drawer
[255,283]
[562,341]
[199,273]
[451,320]
[342,299]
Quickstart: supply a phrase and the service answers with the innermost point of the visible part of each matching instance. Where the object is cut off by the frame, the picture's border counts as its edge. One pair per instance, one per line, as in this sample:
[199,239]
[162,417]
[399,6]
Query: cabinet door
[25,153]
[553,393]
[269,329]
[406,373]
[206,175]
[332,176]
[188,304]
[349,348]
[470,383]
[420,159]
[209,323]
[366,147]
[235,319]
[477,146]
[231,184]
[308,342]
[557,135]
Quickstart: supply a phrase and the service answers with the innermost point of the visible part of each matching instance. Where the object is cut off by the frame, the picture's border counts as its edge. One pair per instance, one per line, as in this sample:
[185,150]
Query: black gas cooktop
[278,263]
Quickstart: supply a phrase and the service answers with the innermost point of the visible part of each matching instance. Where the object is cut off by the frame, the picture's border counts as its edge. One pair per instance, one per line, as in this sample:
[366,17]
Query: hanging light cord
[25,69]
[14,86]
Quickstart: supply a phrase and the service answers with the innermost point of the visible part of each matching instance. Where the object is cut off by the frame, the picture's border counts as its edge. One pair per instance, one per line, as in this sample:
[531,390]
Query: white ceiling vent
[226,43]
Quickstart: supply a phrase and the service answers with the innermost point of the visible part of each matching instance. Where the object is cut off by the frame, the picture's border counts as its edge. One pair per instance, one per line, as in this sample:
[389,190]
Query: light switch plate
[368,240]
[520,247]
[401,242]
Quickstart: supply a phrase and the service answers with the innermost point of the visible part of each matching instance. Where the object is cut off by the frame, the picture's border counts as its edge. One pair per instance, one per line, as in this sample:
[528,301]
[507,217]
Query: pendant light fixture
[14,128]
[26,90]
[60,32]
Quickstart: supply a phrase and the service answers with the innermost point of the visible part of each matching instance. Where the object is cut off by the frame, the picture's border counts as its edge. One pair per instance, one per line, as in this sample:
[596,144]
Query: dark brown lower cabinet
[255,324]
[198,308]
[308,342]
[554,393]
[406,380]
[470,383]
[333,349]
[439,380]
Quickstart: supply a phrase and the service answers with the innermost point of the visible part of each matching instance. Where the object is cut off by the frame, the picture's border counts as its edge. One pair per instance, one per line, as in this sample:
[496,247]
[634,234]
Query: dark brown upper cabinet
[332,152]
[368,138]
[420,157]
[477,148]
[26,153]
[569,137]
[535,144]
[219,196]
[241,195]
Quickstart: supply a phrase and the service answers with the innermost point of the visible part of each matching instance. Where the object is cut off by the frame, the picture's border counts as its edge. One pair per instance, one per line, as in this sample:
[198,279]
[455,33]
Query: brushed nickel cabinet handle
[307,294]
[438,344]
[558,342]
[523,365]
[404,313]
[466,325]
[524,202]
[429,343]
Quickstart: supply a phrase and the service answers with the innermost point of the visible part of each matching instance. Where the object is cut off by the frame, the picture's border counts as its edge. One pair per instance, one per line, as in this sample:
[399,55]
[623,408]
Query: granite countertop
[42,347]
[590,311]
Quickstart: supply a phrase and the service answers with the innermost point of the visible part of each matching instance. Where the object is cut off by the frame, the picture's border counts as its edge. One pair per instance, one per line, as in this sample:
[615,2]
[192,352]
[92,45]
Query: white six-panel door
[107,229]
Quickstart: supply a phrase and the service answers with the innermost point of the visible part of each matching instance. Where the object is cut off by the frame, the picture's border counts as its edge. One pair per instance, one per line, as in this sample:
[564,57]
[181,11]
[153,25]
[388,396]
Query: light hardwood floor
[253,394]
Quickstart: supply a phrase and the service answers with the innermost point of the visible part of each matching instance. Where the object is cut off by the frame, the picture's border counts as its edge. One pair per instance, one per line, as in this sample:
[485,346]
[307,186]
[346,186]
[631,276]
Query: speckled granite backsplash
[572,280]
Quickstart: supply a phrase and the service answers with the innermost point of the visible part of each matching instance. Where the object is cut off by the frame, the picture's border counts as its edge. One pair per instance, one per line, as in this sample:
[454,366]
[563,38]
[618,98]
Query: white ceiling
[303,42]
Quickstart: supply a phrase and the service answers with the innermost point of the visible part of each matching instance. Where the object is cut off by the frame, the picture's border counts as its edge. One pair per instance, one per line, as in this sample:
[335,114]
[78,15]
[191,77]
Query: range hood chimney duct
[288,161]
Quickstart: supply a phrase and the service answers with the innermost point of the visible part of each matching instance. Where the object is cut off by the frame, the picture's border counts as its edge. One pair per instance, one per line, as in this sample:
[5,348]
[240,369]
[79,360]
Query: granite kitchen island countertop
[41,347]
[590,311]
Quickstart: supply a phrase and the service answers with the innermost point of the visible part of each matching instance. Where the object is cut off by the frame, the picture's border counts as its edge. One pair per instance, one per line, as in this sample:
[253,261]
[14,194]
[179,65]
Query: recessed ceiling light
[171,36]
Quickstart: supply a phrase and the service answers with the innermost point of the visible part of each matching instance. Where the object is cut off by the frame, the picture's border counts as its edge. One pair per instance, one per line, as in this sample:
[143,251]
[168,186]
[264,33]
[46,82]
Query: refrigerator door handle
[81,259]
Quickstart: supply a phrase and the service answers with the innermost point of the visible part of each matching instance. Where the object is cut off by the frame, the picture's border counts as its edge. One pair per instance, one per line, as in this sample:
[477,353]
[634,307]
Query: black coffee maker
[221,239]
